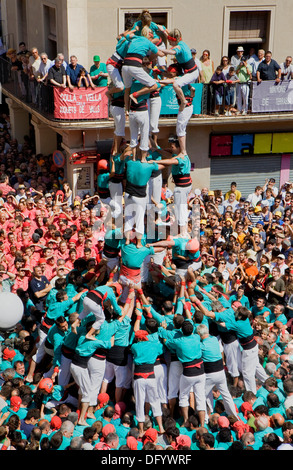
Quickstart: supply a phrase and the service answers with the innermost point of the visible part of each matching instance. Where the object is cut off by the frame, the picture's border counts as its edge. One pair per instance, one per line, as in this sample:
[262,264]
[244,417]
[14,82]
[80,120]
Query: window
[250,27]
[50,31]
[161,16]
[22,21]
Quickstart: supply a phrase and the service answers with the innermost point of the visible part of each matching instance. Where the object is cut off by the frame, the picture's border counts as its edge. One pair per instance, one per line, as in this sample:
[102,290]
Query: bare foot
[82,423]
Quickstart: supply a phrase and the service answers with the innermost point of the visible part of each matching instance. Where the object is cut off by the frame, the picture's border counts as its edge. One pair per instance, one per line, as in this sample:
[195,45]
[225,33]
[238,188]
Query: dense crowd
[154,317]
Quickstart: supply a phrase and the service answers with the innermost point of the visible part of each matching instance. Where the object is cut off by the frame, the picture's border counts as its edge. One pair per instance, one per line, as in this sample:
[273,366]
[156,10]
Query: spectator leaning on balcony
[287,69]
[98,72]
[57,74]
[252,60]
[73,71]
[268,69]
[44,67]
[34,64]
[238,57]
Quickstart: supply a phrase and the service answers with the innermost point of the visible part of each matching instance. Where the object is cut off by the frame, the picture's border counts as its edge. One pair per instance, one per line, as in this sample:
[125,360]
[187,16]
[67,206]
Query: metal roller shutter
[247,172]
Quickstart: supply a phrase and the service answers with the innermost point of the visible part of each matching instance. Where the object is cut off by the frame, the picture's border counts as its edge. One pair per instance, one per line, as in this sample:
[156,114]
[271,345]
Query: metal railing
[39,95]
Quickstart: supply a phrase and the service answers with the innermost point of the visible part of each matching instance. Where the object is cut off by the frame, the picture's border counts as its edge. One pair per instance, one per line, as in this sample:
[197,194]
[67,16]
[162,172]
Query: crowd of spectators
[52,245]
[228,92]
[179,338]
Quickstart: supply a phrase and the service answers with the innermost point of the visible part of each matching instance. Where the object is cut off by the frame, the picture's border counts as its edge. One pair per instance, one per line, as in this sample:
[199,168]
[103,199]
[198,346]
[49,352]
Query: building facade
[246,149]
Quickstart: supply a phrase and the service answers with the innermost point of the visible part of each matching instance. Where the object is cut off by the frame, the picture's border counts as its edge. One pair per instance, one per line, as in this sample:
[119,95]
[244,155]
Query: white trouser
[139,125]
[90,306]
[242,95]
[120,373]
[218,380]
[160,371]
[96,369]
[143,388]
[196,385]
[249,361]
[124,281]
[260,373]
[118,114]
[64,371]
[82,379]
[115,76]
[145,274]
[155,188]
[187,78]
[134,212]
[174,375]
[129,72]
[155,105]
[40,353]
[182,120]
[161,61]
[111,263]
[116,192]
[232,355]
[180,200]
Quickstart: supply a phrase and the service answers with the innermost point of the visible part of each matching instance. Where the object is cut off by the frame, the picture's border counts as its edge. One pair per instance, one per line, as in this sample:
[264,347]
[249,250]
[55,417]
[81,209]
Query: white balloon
[11,310]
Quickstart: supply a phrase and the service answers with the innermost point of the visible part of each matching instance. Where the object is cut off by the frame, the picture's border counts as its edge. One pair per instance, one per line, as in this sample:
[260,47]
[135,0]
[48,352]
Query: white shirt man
[231,201]
[287,68]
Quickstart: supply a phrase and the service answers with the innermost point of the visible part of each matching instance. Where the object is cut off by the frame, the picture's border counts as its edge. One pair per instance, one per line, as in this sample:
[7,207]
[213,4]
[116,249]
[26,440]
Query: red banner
[81,103]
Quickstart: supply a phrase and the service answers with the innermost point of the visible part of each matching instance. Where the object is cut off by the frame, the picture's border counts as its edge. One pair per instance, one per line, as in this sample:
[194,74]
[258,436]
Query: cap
[192,50]
[203,221]
[257,209]
[281,256]
[211,193]
[96,58]
[279,213]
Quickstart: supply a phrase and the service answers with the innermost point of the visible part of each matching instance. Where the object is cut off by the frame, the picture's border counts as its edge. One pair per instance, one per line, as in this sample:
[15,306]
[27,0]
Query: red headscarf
[150,435]
[131,442]
[15,402]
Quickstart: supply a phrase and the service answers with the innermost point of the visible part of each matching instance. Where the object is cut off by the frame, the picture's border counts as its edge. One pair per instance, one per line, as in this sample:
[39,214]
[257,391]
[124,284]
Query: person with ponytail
[184,58]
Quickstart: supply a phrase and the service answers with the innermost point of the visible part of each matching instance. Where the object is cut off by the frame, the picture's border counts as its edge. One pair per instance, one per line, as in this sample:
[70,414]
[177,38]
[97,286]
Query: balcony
[268,102]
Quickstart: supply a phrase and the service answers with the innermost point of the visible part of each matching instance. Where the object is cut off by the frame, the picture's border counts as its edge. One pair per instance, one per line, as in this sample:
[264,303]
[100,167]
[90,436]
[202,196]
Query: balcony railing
[266,97]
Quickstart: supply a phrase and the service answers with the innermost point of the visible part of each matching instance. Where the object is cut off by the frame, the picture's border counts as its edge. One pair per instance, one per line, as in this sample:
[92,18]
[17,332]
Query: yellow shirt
[238,195]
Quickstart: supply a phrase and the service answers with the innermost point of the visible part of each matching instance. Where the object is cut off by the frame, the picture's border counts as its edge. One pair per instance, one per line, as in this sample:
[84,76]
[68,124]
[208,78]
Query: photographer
[244,74]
